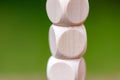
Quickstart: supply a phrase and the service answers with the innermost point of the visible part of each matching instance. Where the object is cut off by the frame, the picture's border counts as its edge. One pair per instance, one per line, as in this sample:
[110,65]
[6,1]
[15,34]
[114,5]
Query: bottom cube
[58,69]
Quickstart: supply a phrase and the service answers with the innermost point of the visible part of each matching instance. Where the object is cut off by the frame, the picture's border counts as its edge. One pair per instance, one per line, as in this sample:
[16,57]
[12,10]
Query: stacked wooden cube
[67,38]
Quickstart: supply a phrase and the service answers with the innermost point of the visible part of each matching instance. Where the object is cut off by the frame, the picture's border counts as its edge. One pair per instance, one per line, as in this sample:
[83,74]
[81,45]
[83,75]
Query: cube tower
[67,39]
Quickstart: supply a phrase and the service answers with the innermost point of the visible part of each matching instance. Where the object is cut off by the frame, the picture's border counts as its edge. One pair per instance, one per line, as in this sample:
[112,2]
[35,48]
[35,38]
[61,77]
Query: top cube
[67,12]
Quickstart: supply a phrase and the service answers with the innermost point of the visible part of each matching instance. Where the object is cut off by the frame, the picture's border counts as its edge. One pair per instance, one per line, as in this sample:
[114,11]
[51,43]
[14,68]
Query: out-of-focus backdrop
[24,49]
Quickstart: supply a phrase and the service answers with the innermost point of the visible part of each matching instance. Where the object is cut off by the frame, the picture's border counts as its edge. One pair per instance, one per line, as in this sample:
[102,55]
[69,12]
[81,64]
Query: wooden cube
[58,69]
[67,12]
[67,42]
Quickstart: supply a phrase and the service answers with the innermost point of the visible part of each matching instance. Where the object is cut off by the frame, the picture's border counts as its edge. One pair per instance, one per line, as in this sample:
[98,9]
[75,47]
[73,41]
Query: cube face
[82,70]
[61,71]
[77,11]
[58,69]
[67,12]
[67,42]
[54,10]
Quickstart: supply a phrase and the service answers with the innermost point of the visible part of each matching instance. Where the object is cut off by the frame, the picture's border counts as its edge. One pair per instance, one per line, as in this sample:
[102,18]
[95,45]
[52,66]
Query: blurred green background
[24,27]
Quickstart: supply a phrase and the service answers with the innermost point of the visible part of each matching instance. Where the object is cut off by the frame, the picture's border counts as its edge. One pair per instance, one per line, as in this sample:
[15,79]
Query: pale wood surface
[82,70]
[67,12]
[67,42]
[58,69]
